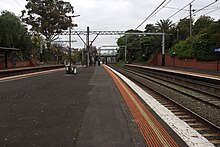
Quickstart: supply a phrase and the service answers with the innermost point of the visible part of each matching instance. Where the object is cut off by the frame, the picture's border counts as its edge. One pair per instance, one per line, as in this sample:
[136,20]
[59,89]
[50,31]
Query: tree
[206,41]
[202,23]
[183,27]
[164,25]
[131,42]
[199,46]
[204,49]
[147,50]
[48,17]
[14,34]
[150,28]
[11,29]
[183,49]
[139,48]
[167,27]
[121,52]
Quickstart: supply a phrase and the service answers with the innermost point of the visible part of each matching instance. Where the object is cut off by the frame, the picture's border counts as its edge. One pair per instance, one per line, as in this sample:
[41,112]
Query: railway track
[211,88]
[185,86]
[153,84]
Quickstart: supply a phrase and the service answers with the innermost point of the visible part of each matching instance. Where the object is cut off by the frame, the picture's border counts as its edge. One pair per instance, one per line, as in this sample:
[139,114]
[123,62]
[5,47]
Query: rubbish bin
[74,69]
[68,69]
[71,69]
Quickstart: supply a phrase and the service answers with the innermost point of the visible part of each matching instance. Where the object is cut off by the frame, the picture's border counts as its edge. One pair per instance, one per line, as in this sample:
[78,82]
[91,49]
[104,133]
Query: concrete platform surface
[60,110]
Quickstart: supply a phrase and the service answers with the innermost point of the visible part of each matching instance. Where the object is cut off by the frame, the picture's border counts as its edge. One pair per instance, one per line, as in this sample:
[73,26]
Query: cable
[176,8]
[200,9]
[180,9]
[150,14]
[211,11]
[161,8]
[203,8]
[18,3]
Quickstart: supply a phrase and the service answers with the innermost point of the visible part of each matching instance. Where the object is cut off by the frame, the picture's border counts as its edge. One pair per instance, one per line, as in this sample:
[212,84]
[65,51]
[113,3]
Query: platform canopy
[5,51]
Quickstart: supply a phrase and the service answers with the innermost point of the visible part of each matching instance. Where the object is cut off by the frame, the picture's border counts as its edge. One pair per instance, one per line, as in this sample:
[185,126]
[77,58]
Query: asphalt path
[60,110]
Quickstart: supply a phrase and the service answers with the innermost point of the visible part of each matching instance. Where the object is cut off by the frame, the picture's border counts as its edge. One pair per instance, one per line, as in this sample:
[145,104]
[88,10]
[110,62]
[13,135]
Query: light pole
[87,46]
[190,19]
[126,49]
[70,41]
[70,27]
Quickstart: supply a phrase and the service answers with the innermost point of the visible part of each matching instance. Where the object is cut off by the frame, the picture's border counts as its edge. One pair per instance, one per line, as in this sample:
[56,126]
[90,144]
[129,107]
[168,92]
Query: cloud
[120,14]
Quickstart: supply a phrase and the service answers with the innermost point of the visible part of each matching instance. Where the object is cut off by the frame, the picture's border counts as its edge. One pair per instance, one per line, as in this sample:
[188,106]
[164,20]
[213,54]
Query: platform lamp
[70,27]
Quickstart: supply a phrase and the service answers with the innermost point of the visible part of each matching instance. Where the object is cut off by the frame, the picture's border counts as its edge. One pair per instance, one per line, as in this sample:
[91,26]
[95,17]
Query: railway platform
[208,72]
[204,73]
[95,107]
[116,117]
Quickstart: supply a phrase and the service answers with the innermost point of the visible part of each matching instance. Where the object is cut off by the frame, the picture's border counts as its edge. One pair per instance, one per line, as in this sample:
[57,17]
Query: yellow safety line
[157,132]
[154,125]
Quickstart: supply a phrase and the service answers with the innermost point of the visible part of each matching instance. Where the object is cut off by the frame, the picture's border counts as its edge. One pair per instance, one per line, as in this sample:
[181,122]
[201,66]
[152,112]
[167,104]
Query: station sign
[217,50]
[70,50]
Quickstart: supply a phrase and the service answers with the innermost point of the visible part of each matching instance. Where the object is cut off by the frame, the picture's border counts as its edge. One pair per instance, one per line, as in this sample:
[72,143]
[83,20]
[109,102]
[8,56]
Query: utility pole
[87,46]
[190,20]
[70,50]
[126,49]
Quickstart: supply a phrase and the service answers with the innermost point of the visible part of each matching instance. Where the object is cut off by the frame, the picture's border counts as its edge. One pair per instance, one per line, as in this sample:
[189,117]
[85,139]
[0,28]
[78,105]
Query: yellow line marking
[151,123]
[17,77]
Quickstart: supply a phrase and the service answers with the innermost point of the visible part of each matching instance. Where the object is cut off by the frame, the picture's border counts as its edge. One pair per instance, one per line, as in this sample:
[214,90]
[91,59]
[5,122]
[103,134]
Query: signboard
[217,50]
[70,50]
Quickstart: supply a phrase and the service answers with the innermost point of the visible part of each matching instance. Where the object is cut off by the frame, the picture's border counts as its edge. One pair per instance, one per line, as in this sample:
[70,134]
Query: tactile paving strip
[153,133]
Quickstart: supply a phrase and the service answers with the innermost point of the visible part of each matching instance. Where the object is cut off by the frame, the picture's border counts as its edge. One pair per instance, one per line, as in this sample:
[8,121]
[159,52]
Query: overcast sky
[121,15]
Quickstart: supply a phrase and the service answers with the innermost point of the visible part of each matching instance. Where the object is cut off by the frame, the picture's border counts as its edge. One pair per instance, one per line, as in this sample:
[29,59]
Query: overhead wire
[18,3]
[161,8]
[212,11]
[203,8]
[175,8]
[180,10]
[199,10]
[150,15]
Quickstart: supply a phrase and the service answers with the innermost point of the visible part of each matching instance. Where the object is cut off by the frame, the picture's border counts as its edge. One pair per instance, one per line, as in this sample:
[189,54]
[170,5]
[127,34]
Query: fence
[184,63]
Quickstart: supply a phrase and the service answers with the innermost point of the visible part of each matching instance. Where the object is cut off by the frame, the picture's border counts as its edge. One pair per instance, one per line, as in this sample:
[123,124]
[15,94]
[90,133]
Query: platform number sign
[70,50]
[217,52]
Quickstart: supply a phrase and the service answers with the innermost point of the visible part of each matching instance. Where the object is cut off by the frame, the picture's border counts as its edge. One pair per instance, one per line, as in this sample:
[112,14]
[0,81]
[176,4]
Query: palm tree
[164,25]
[150,28]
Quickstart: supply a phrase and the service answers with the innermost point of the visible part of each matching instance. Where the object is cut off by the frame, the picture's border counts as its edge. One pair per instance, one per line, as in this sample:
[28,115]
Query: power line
[175,8]
[203,8]
[150,14]
[161,8]
[212,7]
[180,9]
[200,9]
[18,3]
[211,11]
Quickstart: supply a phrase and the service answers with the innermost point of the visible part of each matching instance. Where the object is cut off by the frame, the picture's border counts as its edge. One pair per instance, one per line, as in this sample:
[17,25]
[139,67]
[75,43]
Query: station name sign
[217,50]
